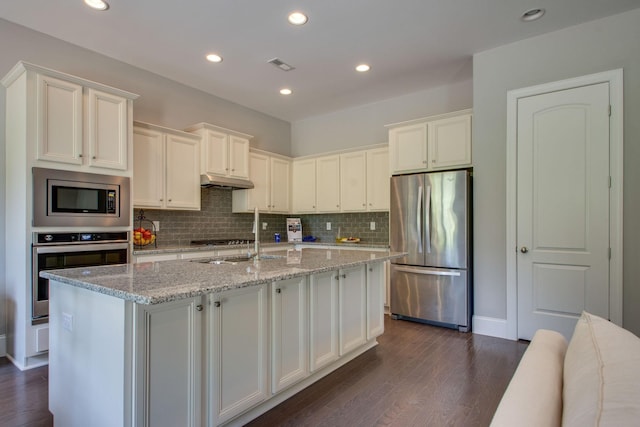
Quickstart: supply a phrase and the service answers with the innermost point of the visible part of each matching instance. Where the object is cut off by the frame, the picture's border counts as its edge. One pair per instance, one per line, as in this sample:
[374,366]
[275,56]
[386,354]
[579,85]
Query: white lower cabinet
[352,308]
[289,336]
[238,346]
[323,319]
[169,370]
[376,290]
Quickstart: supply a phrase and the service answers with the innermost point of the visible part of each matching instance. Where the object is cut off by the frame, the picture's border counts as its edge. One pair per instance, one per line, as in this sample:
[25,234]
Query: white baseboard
[3,345]
[490,326]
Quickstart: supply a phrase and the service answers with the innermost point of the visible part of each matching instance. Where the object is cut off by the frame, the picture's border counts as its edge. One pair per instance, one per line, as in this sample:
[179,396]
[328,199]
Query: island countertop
[159,282]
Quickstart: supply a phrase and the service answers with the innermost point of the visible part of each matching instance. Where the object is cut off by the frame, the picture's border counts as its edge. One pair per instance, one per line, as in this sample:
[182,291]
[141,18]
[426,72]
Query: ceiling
[411,45]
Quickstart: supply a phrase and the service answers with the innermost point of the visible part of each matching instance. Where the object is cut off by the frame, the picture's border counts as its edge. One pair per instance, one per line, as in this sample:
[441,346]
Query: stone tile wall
[216,221]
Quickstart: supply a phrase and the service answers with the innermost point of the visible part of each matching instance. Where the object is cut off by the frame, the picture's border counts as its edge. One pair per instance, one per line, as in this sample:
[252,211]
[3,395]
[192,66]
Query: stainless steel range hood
[207,180]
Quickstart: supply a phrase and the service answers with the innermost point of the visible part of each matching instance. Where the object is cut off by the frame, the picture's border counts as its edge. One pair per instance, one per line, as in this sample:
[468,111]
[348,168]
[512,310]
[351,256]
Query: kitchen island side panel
[88,376]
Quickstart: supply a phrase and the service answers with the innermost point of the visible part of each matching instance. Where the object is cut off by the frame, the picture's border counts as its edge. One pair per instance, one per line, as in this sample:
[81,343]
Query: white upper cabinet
[353,181]
[328,184]
[271,177]
[439,142]
[224,152]
[72,123]
[303,182]
[356,181]
[378,179]
[165,170]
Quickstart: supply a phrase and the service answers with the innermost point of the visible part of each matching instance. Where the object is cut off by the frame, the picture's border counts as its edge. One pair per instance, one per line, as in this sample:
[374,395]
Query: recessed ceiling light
[212,57]
[298,18]
[532,14]
[285,91]
[363,68]
[97,4]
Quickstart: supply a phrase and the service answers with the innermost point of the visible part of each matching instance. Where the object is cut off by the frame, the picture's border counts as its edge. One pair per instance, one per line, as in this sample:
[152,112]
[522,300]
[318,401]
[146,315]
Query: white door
[562,208]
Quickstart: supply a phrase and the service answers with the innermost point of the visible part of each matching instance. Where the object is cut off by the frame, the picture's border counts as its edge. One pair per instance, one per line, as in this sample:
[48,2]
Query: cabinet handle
[370,269]
[161,200]
[424,161]
[338,277]
[314,206]
[199,307]
[80,155]
[216,304]
[344,276]
[337,206]
[370,204]
[278,291]
[169,199]
[94,157]
[364,204]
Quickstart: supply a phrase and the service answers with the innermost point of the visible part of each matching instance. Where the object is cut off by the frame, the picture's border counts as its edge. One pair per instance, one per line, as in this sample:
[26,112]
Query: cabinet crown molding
[430,118]
[23,66]
[209,126]
[151,126]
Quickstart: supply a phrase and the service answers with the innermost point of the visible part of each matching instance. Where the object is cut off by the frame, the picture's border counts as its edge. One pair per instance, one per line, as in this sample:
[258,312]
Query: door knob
[524,249]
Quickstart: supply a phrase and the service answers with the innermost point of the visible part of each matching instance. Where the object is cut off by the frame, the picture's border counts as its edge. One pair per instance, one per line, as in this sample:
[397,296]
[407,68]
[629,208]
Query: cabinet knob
[369,204]
[370,269]
[364,204]
[344,276]
[199,307]
[94,157]
[161,200]
[337,277]
[314,206]
[424,161]
[80,155]
[433,161]
[233,170]
[278,291]
[169,200]
[337,206]
[216,304]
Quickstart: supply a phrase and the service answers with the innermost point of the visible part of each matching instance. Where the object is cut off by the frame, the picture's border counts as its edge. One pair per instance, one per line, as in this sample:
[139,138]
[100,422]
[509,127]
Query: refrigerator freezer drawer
[431,294]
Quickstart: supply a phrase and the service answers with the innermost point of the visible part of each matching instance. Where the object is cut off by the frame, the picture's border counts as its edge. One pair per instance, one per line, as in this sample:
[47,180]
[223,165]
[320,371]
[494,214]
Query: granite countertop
[159,282]
[285,245]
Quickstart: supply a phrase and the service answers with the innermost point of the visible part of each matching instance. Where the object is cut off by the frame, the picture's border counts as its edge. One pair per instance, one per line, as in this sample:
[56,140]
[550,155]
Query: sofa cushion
[534,395]
[601,375]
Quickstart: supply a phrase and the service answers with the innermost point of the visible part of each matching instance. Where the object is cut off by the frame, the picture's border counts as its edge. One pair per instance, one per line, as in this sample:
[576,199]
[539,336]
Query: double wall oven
[63,203]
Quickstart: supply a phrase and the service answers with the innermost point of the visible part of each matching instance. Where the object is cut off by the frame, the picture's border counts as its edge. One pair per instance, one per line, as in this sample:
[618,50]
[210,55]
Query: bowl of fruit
[143,237]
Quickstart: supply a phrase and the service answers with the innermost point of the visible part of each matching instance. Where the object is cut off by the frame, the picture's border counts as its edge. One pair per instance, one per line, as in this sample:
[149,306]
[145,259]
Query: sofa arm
[534,395]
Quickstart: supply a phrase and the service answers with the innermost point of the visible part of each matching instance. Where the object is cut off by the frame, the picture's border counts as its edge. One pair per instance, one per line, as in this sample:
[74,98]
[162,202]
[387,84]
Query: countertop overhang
[158,282]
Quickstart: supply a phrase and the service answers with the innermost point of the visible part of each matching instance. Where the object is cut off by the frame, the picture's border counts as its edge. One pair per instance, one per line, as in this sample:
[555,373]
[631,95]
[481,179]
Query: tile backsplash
[216,221]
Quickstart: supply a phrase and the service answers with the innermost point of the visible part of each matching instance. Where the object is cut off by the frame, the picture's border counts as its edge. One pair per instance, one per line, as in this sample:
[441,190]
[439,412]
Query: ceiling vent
[276,62]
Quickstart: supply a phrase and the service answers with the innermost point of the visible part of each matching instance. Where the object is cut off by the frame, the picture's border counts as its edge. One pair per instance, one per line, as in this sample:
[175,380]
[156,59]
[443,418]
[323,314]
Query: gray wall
[593,47]
[162,101]
[364,125]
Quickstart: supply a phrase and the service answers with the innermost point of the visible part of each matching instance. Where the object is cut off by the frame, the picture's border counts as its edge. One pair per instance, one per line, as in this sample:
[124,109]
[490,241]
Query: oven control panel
[70,238]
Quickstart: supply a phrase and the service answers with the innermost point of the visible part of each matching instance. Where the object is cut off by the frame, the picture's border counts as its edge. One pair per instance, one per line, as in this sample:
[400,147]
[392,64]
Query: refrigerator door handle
[427,271]
[419,219]
[427,221]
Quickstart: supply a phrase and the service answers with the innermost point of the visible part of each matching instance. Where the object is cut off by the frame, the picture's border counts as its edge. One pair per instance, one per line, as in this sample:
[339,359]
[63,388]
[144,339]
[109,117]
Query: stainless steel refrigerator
[430,218]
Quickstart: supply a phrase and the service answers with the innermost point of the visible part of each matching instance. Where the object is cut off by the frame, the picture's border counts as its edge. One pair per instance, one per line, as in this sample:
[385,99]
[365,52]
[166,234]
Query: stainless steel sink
[233,260]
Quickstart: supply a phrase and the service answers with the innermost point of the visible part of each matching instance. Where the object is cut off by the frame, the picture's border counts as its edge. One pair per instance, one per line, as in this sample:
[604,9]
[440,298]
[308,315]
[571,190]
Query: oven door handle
[79,248]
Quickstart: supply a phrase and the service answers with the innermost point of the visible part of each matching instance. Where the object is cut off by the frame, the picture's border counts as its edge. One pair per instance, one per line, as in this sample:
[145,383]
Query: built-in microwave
[77,199]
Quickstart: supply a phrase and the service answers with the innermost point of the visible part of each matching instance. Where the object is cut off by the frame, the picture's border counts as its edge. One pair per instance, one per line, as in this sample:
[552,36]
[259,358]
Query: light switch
[67,321]
[372,225]
[328,226]
[156,224]
[264,225]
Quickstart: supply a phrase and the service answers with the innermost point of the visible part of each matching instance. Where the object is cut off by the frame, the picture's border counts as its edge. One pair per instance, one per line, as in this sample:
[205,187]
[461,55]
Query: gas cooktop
[221,242]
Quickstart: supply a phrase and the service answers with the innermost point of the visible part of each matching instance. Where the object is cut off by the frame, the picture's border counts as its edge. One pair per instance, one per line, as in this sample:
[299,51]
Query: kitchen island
[199,344]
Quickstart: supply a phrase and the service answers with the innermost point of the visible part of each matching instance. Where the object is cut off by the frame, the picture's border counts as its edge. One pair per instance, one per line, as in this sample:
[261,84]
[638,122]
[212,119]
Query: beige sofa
[594,380]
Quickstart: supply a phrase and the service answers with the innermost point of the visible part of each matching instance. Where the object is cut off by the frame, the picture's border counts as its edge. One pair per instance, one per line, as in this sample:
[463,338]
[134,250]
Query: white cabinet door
[169,363]
[408,148]
[280,189]
[303,182]
[375,299]
[289,336]
[352,306]
[378,184]
[323,319]
[59,120]
[328,184]
[238,157]
[239,360]
[182,177]
[215,152]
[258,196]
[148,168]
[450,142]
[107,130]
[353,182]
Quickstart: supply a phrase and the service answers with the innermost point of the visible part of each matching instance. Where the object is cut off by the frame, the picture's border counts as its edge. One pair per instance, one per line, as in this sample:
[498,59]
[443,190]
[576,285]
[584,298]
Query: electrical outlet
[156,224]
[328,226]
[67,321]
[264,225]
[372,225]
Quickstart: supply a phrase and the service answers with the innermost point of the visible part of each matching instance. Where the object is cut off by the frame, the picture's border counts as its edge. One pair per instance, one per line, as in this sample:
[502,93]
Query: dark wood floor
[419,375]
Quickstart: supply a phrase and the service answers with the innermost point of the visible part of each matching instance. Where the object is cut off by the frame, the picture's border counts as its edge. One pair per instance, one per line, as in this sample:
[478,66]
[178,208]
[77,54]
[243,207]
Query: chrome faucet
[256,231]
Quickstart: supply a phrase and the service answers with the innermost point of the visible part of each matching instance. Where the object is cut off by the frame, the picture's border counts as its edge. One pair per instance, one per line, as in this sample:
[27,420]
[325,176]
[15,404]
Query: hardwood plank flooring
[419,375]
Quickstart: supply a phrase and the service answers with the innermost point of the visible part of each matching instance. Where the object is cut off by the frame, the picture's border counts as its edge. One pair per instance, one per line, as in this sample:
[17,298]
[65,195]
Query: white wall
[161,101]
[364,125]
[593,47]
